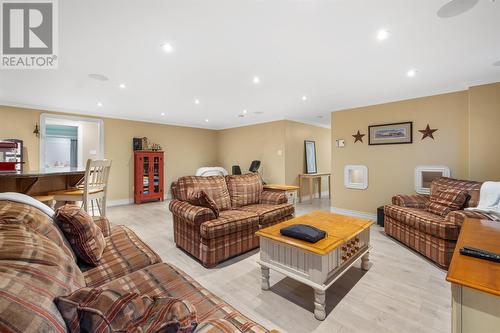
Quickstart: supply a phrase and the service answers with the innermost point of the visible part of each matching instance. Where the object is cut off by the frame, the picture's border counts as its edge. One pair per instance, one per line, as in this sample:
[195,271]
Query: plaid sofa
[244,208]
[434,236]
[37,265]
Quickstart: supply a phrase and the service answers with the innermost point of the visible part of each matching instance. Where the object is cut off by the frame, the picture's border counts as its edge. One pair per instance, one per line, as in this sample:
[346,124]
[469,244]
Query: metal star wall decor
[358,137]
[428,132]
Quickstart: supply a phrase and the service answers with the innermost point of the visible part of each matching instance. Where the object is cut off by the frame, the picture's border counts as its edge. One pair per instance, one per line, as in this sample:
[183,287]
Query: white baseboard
[355,213]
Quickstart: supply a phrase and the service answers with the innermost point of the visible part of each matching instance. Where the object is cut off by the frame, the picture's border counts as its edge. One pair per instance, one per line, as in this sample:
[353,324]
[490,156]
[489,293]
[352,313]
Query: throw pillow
[83,234]
[202,199]
[445,200]
[107,311]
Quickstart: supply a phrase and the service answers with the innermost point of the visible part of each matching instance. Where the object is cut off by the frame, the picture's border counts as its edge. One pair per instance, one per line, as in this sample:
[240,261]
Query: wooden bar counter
[475,283]
[40,181]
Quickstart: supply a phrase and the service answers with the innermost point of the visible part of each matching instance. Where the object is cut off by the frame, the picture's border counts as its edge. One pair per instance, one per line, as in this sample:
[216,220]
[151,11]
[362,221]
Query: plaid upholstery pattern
[271,214]
[423,221]
[437,249]
[411,201]
[272,198]
[167,281]
[103,224]
[110,310]
[458,216]
[472,188]
[124,253]
[84,235]
[202,199]
[18,213]
[445,200]
[33,271]
[229,222]
[244,189]
[191,213]
[214,186]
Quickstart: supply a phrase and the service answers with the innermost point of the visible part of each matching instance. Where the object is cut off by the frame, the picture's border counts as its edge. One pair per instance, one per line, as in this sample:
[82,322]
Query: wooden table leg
[319,304]
[319,186]
[300,189]
[264,280]
[365,261]
[311,186]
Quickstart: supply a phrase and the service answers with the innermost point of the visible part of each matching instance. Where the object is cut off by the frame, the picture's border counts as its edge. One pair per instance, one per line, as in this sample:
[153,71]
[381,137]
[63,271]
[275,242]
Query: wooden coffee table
[320,264]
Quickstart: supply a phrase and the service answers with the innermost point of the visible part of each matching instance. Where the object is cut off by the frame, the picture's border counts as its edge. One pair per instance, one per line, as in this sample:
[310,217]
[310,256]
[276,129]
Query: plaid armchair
[434,236]
[244,208]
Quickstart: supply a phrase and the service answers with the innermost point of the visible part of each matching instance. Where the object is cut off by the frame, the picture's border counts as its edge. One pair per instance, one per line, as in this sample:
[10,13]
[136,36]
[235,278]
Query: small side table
[289,190]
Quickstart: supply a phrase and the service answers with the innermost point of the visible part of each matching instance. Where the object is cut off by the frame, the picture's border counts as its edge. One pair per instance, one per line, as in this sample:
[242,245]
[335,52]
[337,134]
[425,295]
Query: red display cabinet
[148,184]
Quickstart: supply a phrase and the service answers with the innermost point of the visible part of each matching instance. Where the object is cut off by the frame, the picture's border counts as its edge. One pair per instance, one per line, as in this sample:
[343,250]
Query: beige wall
[468,124]
[484,132]
[264,142]
[90,140]
[295,134]
[186,148]
[391,167]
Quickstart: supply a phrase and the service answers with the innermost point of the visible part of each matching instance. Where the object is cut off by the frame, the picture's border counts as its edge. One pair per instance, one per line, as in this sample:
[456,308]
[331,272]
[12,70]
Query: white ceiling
[325,49]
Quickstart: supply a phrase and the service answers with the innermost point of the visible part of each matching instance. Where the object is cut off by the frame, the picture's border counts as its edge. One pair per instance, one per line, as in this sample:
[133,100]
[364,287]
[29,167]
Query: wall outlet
[340,143]
[280,152]
[93,152]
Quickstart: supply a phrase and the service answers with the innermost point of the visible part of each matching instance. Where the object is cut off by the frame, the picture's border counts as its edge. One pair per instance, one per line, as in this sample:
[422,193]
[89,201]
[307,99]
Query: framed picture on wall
[310,151]
[390,134]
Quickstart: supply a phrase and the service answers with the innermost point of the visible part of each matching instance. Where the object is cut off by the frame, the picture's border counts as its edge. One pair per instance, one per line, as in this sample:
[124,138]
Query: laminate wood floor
[402,291]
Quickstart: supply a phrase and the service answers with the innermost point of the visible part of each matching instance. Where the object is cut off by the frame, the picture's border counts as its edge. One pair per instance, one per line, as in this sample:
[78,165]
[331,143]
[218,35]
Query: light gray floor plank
[402,291]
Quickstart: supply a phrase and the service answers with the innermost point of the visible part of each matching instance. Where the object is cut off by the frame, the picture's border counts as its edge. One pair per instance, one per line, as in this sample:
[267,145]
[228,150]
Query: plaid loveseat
[434,236]
[37,265]
[244,208]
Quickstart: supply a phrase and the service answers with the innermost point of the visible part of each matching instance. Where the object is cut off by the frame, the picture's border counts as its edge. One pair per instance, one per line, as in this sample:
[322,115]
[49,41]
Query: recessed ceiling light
[241,115]
[196,101]
[411,73]
[206,120]
[167,47]
[456,7]
[382,34]
[256,80]
[98,77]
[163,113]
[258,112]
[122,86]
[304,98]
[245,111]
[496,63]
[99,104]
[319,117]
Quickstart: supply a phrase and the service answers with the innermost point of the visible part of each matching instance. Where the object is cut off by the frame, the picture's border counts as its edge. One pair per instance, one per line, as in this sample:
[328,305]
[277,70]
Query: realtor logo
[29,34]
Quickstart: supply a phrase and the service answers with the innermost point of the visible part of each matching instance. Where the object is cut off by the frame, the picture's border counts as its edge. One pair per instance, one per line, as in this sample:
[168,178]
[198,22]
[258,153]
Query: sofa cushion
[124,253]
[84,235]
[109,310]
[229,222]
[445,200]
[244,189]
[214,186]
[18,213]
[473,188]
[33,270]
[168,281]
[202,199]
[424,221]
[270,214]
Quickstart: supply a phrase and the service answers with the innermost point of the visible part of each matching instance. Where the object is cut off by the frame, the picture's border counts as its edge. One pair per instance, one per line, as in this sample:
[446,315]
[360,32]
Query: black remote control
[481,254]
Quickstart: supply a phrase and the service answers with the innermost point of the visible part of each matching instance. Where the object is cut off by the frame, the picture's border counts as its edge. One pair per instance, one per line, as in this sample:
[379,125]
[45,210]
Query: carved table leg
[264,280]
[319,304]
[365,259]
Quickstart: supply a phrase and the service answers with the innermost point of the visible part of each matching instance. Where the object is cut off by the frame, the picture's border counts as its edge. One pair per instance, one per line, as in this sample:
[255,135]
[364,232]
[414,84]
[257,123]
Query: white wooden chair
[94,186]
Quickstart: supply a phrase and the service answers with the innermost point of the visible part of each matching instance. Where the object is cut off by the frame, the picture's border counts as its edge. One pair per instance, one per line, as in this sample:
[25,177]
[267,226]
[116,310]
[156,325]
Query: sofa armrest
[103,224]
[272,198]
[191,213]
[419,201]
[459,216]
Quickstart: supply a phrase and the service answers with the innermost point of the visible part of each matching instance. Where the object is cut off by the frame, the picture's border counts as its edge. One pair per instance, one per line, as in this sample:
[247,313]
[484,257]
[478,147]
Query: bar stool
[93,187]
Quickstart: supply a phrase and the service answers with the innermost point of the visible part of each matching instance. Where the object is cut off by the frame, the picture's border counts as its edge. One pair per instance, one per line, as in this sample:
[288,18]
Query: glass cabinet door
[145,175]
[156,174]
